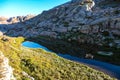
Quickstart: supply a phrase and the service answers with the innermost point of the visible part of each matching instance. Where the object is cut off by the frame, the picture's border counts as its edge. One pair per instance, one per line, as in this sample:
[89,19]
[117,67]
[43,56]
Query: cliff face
[80,20]
[6,72]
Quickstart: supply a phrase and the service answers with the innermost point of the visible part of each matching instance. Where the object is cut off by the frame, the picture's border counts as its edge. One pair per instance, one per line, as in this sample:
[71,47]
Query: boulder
[47,33]
[89,56]
[61,29]
[1,33]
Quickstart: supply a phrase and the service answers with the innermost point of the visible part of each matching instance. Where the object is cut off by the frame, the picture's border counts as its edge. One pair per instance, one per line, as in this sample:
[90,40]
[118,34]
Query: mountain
[83,22]
[80,20]
[88,23]
[11,20]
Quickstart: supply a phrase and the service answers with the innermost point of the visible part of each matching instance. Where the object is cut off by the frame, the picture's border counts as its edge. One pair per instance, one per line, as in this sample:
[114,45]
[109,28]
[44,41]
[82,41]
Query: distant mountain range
[11,20]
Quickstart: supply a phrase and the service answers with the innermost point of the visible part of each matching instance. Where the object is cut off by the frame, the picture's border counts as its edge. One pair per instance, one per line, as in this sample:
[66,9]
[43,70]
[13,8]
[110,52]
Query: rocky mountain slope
[88,22]
[85,21]
[82,21]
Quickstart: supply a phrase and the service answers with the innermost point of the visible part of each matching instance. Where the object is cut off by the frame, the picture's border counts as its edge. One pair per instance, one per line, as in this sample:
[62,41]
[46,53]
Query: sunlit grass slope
[43,65]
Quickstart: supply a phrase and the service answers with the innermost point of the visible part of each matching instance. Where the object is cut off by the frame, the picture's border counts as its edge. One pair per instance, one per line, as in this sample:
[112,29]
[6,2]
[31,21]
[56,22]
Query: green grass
[43,65]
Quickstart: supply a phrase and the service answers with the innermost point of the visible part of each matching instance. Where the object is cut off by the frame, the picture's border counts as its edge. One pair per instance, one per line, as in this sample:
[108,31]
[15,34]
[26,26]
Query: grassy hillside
[43,65]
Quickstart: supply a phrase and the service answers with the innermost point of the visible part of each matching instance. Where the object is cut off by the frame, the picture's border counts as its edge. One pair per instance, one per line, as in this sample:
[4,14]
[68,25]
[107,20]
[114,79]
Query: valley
[83,37]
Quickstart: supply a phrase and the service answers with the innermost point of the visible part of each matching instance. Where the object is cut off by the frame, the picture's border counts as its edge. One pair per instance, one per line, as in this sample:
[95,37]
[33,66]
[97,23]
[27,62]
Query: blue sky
[11,8]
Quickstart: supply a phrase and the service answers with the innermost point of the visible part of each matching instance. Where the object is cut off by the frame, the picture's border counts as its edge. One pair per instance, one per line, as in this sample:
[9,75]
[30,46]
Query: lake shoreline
[109,69]
[77,49]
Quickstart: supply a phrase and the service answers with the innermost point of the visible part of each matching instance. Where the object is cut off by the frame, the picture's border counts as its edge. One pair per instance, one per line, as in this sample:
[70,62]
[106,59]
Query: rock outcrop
[1,33]
[6,71]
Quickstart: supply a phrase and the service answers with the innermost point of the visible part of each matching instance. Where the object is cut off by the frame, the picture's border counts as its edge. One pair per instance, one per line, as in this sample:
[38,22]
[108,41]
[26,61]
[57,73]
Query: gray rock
[61,29]
[47,33]
[1,33]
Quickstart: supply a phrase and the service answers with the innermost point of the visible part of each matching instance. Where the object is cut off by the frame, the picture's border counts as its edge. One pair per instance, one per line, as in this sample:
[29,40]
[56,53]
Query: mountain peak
[86,4]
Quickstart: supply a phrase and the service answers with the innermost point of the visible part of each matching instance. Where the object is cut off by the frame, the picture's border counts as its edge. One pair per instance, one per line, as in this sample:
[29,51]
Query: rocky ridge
[11,20]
